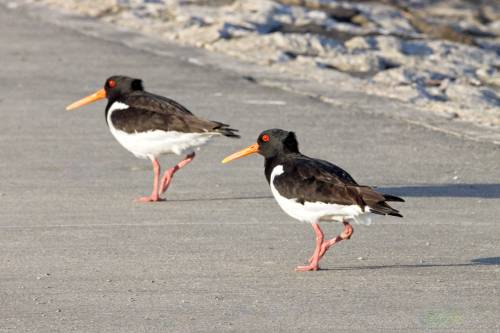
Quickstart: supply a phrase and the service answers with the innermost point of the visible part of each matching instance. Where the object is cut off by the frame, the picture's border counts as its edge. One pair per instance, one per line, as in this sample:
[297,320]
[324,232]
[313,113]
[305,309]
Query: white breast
[157,142]
[314,212]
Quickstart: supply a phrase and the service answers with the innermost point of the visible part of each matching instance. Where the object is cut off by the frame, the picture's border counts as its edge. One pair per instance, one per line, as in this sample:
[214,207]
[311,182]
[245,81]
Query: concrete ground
[77,254]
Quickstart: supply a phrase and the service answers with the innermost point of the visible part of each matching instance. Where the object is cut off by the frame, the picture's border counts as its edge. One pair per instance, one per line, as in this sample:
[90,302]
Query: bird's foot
[310,267]
[167,179]
[150,198]
[324,247]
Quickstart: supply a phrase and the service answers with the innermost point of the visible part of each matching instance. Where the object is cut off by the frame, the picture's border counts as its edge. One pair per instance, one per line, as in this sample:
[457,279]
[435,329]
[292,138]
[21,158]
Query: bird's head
[114,87]
[270,143]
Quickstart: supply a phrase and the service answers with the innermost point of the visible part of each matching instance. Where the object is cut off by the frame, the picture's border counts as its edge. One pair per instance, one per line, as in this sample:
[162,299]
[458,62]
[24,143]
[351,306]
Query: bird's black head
[117,86]
[270,143]
[274,142]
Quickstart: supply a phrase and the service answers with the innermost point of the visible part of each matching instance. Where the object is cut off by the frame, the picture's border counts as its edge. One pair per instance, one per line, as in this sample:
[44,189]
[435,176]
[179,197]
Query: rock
[494,27]
[360,44]
[489,75]
[305,45]
[388,44]
[354,63]
[490,12]
[416,48]
[200,36]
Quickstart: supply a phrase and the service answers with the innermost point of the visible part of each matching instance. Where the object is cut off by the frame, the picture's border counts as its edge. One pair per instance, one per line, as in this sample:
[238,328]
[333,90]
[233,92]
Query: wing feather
[310,180]
[151,112]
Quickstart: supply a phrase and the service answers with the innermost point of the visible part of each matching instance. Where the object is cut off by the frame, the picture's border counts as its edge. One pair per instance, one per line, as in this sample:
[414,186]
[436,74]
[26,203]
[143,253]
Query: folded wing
[310,180]
[148,112]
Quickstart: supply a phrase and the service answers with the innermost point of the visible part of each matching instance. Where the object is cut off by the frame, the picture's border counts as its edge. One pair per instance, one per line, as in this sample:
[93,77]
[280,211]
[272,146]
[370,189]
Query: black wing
[156,103]
[311,180]
[148,112]
[322,170]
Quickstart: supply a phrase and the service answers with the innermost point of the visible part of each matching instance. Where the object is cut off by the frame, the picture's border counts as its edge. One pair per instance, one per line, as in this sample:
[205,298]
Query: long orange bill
[99,94]
[244,152]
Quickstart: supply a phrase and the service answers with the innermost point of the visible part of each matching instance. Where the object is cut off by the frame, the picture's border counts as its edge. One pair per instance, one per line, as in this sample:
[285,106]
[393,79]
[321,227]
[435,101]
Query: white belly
[314,212]
[157,142]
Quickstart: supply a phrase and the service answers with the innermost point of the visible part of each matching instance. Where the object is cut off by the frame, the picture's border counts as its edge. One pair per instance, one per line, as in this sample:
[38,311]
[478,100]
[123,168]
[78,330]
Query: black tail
[389,197]
[388,209]
[225,130]
[377,201]
[382,208]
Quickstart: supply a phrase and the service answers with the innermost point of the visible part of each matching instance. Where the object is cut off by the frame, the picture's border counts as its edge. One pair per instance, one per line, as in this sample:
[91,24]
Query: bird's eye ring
[265,138]
[112,83]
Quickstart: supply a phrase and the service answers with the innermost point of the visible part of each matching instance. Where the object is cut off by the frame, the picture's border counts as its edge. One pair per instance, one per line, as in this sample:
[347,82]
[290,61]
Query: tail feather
[389,197]
[383,208]
[225,130]
[391,213]
[377,201]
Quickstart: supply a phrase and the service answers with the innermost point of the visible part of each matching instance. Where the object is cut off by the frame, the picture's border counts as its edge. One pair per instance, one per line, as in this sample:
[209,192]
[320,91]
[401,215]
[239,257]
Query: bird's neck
[111,101]
[106,111]
[272,162]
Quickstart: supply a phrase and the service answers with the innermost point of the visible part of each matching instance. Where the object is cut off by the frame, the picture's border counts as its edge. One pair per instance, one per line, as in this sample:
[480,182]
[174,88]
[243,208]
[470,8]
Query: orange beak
[99,94]
[244,152]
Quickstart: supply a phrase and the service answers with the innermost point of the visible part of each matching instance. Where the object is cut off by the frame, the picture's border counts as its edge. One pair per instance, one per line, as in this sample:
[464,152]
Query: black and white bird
[150,125]
[313,190]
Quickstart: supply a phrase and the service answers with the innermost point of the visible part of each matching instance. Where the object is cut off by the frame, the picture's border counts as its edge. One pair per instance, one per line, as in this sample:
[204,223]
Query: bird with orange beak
[313,190]
[150,125]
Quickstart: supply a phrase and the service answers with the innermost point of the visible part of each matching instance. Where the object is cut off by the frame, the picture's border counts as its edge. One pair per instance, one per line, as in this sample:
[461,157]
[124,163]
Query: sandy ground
[78,255]
[440,56]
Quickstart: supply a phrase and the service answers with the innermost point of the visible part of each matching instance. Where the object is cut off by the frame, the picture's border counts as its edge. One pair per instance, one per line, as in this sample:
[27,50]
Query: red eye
[265,138]
[112,83]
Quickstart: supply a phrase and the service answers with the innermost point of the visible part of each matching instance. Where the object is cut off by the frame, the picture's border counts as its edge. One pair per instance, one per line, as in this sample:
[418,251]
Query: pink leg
[346,234]
[169,174]
[313,265]
[155,195]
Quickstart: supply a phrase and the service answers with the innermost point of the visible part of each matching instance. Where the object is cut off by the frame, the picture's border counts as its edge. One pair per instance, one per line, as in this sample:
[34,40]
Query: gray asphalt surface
[78,254]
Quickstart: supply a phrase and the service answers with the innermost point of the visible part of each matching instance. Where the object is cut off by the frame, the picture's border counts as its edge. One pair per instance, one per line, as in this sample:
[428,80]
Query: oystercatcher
[312,190]
[150,125]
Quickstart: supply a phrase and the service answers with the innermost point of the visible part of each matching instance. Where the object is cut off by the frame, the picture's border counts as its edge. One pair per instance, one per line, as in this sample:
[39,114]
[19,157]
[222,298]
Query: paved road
[78,255]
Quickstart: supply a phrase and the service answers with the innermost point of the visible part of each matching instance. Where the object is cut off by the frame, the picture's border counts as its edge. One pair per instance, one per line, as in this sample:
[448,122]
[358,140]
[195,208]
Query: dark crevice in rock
[385,64]
[339,35]
[335,11]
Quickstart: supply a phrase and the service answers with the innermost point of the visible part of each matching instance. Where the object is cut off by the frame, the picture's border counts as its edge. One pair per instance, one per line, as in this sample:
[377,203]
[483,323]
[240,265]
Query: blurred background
[439,55]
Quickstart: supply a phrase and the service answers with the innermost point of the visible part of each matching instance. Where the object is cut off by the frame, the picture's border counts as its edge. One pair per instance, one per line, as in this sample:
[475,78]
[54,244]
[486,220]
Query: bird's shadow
[488,191]
[253,197]
[490,261]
